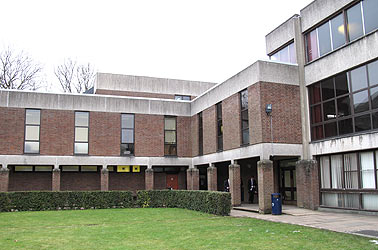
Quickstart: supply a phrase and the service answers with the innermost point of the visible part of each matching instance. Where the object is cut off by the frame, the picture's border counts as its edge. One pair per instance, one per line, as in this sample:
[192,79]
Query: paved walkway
[365,225]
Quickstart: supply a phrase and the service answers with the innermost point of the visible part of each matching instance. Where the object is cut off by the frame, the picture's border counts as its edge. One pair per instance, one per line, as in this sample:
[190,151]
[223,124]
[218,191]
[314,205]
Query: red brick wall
[12,124]
[23,181]
[184,146]
[127,181]
[254,114]
[231,122]
[194,134]
[104,133]
[149,135]
[80,181]
[209,131]
[57,132]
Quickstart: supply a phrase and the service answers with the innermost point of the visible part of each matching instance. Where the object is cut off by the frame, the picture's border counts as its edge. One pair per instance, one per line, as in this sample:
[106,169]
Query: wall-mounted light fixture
[268,109]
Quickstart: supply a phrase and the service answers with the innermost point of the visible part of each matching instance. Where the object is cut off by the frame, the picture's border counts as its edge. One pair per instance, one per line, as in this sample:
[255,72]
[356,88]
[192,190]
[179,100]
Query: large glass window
[200,134]
[244,117]
[324,37]
[345,103]
[127,134]
[182,97]
[219,127]
[338,33]
[32,128]
[354,19]
[370,8]
[286,54]
[81,132]
[170,143]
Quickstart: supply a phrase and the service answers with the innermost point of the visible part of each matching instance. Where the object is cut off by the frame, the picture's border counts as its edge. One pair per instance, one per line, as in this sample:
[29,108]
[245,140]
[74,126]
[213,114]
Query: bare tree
[18,71]
[74,77]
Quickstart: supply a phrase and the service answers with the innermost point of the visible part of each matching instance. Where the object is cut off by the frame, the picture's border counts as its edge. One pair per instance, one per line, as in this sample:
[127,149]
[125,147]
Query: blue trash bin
[276,204]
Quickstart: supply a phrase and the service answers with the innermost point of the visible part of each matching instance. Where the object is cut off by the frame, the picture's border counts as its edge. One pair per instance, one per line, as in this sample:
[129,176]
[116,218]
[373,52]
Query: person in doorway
[252,187]
[227,185]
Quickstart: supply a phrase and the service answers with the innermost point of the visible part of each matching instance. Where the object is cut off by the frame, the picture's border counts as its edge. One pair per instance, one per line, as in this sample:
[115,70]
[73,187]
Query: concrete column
[307,178]
[265,185]
[234,176]
[104,178]
[212,181]
[192,179]
[56,178]
[4,178]
[149,179]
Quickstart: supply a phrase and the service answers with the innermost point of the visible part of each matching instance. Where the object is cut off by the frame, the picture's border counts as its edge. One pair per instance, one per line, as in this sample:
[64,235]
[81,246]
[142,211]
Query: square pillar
[192,178]
[56,179]
[4,179]
[104,178]
[265,185]
[149,179]
[212,181]
[307,178]
[234,175]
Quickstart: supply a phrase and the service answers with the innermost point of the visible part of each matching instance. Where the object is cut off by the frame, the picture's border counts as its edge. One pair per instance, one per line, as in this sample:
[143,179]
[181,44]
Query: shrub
[205,201]
[37,201]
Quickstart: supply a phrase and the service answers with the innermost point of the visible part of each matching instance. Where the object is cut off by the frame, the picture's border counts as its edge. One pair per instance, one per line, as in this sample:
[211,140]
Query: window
[70,168]
[170,143]
[32,128]
[200,134]
[244,117]
[28,168]
[286,54]
[81,132]
[182,97]
[345,103]
[127,134]
[219,127]
[360,20]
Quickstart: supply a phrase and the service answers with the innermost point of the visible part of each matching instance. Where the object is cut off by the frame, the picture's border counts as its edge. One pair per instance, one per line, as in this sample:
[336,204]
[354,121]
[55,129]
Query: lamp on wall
[268,109]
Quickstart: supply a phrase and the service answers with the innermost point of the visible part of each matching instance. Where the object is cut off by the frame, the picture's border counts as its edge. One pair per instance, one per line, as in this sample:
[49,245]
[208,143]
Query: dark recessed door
[172,181]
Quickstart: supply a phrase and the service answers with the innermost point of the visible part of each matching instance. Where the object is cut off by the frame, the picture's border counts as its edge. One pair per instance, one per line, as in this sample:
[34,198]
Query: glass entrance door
[288,185]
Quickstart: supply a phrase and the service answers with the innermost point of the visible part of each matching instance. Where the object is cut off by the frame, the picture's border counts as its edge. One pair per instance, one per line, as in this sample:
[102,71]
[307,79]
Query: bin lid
[276,193]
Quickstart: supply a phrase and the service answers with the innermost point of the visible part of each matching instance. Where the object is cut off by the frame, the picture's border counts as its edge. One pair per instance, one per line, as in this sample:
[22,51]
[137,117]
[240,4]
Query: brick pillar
[149,179]
[104,178]
[4,179]
[192,179]
[234,174]
[307,178]
[56,179]
[265,185]
[212,182]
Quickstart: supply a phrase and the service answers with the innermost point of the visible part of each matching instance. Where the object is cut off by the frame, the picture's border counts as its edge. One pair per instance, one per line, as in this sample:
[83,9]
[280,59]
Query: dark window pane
[32,117]
[82,119]
[127,121]
[127,149]
[244,124]
[374,97]
[245,136]
[375,120]
[324,39]
[127,136]
[244,99]
[170,150]
[316,114]
[358,78]
[330,129]
[315,93]
[292,54]
[327,89]
[219,110]
[343,106]
[244,115]
[370,14]
[338,33]
[345,126]
[329,110]
[220,142]
[341,83]
[361,101]
[220,128]
[317,132]
[354,22]
[178,97]
[373,72]
[362,123]
[312,46]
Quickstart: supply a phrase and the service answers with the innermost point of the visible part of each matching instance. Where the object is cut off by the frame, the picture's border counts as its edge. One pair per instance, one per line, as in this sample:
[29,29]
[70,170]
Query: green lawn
[160,228]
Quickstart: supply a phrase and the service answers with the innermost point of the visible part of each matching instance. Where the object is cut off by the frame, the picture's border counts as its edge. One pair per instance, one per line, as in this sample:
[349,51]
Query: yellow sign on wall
[136,168]
[123,168]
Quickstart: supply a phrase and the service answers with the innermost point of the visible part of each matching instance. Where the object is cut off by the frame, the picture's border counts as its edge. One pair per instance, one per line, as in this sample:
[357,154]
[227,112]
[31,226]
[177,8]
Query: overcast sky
[206,40]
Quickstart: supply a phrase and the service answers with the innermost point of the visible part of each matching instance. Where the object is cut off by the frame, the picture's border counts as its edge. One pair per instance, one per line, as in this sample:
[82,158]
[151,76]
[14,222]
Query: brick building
[303,123]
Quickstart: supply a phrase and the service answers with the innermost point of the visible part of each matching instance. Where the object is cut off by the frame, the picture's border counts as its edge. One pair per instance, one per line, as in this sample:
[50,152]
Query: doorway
[288,185]
[172,181]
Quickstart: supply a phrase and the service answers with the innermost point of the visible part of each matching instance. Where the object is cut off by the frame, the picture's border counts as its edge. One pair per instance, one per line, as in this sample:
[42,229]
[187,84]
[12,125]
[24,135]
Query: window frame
[39,132]
[200,133]
[165,143]
[219,121]
[121,143]
[242,143]
[88,127]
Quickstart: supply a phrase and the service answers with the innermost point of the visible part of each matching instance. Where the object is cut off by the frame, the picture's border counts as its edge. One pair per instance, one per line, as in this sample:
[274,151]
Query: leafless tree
[74,77]
[18,71]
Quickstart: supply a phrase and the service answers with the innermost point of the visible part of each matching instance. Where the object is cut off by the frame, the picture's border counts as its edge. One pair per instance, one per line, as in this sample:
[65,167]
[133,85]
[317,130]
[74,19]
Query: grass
[160,228]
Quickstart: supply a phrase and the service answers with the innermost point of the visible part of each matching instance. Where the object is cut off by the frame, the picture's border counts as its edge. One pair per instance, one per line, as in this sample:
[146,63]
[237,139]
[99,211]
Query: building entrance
[172,181]
[288,185]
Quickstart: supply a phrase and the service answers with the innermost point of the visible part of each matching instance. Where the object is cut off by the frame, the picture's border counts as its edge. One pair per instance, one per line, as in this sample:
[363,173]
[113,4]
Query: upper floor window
[81,132]
[182,97]
[346,103]
[286,54]
[360,20]
[32,128]
[127,134]
[244,117]
[170,137]
[200,134]
[219,127]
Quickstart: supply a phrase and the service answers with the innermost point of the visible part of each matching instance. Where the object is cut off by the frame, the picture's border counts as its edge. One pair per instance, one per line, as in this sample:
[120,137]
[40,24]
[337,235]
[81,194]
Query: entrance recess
[172,181]
[288,185]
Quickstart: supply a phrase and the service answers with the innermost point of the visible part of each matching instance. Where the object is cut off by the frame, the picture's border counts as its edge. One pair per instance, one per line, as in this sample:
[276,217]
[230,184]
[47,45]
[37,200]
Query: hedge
[37,201]
[205,201]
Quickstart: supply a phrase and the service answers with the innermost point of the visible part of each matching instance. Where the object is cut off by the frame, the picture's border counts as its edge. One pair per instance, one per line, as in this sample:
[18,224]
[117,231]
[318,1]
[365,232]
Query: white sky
[206,40]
